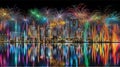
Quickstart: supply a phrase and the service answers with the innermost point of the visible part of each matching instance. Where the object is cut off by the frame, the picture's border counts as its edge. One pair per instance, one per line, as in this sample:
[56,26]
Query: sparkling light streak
[76,37]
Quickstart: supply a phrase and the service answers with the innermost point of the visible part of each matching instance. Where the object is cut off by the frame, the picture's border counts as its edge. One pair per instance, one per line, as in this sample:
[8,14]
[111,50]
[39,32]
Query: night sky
[24,5]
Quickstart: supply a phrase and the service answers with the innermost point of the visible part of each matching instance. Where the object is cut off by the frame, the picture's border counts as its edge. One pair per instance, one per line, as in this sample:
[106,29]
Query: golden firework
[53,23]
[4,13]
[62,22]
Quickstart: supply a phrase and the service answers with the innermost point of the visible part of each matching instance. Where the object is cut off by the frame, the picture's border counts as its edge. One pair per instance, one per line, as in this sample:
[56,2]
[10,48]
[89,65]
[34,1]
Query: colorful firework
[65,38]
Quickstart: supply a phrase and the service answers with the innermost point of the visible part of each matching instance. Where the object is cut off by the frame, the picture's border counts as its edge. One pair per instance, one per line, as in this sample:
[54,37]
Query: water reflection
[62,54]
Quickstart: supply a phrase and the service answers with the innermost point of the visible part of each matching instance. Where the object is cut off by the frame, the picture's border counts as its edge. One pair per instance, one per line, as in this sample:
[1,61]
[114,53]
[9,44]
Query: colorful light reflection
[76,38]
